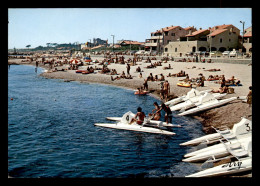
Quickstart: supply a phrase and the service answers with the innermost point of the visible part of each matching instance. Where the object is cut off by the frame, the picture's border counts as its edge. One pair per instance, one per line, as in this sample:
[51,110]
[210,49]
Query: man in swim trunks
[168,113]
[139,117]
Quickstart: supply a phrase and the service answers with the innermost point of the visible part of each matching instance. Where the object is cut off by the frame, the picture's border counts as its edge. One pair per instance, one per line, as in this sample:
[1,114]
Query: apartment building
[164,36]
[247,42]
[217,38]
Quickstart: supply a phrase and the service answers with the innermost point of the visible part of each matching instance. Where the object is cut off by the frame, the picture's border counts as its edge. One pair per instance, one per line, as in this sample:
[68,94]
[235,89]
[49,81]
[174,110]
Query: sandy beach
[226,115]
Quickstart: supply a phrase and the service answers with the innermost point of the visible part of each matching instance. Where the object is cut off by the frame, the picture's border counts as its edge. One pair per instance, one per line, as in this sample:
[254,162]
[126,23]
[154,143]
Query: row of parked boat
[234,145]
[197,101]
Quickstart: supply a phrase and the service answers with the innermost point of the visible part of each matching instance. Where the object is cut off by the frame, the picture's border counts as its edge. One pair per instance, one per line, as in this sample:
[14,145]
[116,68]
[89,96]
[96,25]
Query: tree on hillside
[28,46]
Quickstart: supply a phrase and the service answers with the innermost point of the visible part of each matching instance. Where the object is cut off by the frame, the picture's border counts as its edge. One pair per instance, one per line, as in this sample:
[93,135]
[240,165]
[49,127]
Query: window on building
[166,33]
[165,49]
[176,49]
[220,40]
[173,34]
[229,40]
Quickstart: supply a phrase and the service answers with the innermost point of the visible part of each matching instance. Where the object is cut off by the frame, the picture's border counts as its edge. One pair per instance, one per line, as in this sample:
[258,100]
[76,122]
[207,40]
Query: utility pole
[243,22]
[89,45]
[113,42]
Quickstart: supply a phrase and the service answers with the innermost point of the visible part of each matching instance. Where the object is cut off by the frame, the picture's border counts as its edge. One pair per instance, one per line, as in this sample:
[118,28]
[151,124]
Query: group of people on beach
[154,115]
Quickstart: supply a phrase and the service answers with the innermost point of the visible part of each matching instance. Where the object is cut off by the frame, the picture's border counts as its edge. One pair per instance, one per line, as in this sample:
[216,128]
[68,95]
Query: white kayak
[207,101]
[124,124]
[240,128]
[223,149]
[148,122]
[234,167]
[192,93]
[193,101]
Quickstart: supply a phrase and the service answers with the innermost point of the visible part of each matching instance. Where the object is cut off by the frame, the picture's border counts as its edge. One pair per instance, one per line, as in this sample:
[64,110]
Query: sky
[38,26]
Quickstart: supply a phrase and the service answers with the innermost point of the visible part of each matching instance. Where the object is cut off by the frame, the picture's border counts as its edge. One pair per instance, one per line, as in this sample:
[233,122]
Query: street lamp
[243,22]
[113,42]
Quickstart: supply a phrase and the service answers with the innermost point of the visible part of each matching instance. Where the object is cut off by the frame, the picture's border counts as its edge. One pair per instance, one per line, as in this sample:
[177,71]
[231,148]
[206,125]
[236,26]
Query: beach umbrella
[74,61]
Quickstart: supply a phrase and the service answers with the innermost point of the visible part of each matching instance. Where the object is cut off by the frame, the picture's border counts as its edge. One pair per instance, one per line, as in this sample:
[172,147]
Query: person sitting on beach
[123,75]
[201,82]
[187,78]
[150,77]
[221,90]
[156,78]
[169,67]
[138,69]
[169,75]
[162,77]
[231,80]
[129,77]
[157,115]
[151,66]
[116,78]
[139,117]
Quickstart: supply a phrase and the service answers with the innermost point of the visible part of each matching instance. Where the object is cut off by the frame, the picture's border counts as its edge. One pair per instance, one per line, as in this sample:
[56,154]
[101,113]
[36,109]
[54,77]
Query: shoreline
[214,117]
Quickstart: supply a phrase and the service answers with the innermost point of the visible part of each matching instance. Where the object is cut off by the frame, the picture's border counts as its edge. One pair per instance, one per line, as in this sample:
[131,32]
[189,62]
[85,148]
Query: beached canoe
[233,167]
[192,102]
[187,85]
[239,129]
[207,101]
[221,150]
[192,93]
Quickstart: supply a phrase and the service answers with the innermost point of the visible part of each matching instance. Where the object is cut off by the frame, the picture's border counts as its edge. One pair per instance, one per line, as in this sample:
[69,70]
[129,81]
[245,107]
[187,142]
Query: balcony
[156,37]
[151,44]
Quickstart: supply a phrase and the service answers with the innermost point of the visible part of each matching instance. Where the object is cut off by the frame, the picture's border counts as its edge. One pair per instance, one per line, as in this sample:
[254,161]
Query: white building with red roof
[162,37]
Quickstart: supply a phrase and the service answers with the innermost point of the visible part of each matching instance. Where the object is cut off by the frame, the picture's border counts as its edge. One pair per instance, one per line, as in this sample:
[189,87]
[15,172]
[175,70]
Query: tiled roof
[187,28]
[197,32]
[169,28]
[218,31]
[165,29]
[133,42]
[248,34]
[220,27]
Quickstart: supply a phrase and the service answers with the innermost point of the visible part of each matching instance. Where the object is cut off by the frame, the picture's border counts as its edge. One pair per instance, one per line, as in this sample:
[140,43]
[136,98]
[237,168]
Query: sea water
[51,131]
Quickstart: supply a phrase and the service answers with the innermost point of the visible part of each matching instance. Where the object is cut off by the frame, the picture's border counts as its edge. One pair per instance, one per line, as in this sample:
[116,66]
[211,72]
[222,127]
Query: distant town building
[98,41]
[132,43]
